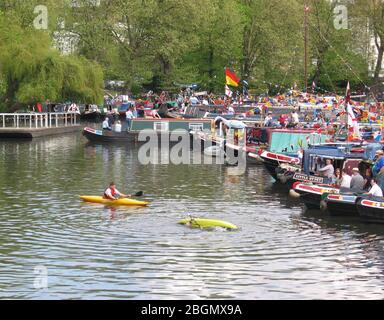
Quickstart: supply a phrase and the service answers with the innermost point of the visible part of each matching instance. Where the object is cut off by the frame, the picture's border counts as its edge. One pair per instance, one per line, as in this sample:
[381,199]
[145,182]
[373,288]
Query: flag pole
[306,10]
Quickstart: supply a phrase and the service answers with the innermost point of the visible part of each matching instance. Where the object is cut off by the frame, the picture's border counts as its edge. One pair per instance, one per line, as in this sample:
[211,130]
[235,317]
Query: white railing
[38,120]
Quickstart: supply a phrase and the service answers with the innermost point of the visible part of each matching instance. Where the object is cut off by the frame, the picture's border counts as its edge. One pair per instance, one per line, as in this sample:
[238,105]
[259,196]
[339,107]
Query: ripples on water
[280,251]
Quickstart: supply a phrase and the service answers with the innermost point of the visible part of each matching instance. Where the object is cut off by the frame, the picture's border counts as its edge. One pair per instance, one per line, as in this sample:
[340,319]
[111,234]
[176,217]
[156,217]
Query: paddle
[137,194]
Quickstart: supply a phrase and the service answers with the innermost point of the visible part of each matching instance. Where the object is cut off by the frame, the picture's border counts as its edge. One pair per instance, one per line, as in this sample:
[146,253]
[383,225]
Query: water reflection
[93,251]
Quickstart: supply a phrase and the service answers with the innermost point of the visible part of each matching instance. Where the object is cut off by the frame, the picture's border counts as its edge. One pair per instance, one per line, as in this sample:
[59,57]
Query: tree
[33,71]
[271,40]
[219,45]
[337,58]
[370,15]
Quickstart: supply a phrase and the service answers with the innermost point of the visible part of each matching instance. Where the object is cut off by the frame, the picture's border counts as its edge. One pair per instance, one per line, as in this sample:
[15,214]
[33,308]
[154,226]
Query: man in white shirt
[194,100]
[118,126]
[346,180]
[129,116]
[295,117]
[106,125]
[268,120]
[231,111]
[375,190]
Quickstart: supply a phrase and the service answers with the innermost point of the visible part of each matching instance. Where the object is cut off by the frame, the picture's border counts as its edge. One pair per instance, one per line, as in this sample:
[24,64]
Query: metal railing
[39,120]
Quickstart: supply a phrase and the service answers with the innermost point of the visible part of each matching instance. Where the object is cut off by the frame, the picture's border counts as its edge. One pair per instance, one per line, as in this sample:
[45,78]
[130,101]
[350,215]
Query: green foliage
[160,43]
[32,71]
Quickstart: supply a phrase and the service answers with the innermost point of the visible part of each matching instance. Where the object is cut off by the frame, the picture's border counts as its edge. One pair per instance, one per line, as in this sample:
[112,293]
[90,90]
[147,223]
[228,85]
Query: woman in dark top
[368,178]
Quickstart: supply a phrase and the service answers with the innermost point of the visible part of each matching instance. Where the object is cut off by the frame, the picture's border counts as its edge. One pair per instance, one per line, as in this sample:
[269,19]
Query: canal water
[53,246]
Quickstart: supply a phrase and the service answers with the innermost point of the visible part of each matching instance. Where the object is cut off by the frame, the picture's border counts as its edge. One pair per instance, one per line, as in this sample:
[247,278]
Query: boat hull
[311,195]
[273,160]
[371,209]
[118,202]
[341,205]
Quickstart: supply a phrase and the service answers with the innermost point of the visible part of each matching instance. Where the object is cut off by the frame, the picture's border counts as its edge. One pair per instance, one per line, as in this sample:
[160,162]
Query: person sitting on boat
[294,118]
[345,179]
[155,114]
[113,194]
[357,181]
[118,126]
[268,121]
[106,125]
[375,190]
[328,170]
[282,120]
[367,179]
[338,177]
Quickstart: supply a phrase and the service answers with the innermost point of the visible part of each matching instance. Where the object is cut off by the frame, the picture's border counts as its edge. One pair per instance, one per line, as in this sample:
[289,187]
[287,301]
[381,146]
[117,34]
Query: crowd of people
[371,182]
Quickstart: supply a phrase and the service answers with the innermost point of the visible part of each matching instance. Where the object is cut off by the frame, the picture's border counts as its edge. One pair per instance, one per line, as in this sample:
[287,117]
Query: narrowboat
[371,209]
[284,145]
[343,204]
[158,126]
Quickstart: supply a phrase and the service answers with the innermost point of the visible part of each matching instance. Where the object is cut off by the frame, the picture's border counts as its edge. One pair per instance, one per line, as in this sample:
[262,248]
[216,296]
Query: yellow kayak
[118,202]
[207,223]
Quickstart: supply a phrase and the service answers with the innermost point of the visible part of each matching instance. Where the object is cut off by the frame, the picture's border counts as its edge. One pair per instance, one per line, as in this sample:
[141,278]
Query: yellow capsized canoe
[118,202]
[207,223]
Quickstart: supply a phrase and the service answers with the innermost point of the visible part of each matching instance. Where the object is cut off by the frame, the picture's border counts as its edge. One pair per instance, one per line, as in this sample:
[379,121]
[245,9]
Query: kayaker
[112,193]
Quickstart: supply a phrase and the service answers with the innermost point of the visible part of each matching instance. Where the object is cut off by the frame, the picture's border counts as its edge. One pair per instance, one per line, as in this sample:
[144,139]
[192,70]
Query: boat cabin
[343,156]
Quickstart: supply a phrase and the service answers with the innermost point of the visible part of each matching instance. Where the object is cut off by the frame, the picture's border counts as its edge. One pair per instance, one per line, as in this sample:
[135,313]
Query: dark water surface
[92,252]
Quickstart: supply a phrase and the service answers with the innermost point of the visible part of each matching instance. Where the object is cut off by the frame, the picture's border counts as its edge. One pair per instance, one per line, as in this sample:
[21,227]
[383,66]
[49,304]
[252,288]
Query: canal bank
[30,133]
[36,125]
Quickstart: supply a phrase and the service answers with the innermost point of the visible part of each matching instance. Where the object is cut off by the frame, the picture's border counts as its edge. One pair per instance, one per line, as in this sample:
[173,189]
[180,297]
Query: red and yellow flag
[231,78]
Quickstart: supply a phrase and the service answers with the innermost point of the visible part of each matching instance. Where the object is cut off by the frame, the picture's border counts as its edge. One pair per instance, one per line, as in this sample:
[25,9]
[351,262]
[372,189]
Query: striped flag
[228,92]
[231,78]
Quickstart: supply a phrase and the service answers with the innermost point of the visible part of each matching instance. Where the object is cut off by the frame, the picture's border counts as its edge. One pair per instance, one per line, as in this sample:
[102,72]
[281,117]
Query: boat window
[161,126]
[196,126]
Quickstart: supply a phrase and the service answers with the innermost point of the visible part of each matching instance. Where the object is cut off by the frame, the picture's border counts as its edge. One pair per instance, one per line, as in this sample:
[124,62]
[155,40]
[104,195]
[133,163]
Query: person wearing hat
[379,164]
[357,181]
